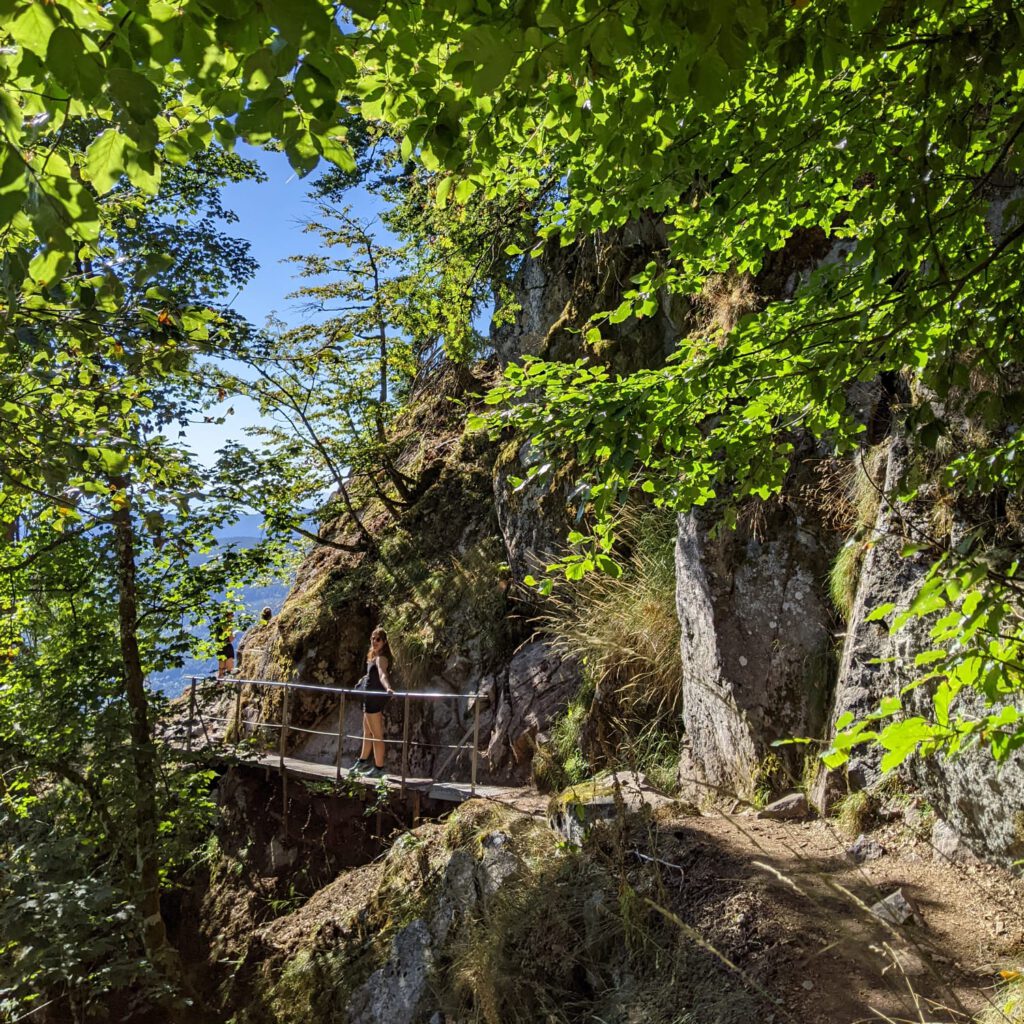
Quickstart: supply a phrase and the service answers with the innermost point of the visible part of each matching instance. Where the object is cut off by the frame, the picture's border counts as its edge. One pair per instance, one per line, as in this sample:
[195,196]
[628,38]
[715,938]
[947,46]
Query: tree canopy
[884,136]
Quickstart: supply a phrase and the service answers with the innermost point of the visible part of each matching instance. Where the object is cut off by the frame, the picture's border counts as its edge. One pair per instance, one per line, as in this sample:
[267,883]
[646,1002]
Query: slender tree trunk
[154,932]
[396,476]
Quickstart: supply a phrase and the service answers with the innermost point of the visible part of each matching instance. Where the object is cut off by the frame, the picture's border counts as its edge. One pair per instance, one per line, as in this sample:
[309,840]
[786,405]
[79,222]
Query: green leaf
[105,160]
[143,169]
[622,312]
[48,266]
[33,28]
[879,613]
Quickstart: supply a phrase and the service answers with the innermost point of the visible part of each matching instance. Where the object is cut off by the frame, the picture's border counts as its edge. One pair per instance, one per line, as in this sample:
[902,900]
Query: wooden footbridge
[241,734]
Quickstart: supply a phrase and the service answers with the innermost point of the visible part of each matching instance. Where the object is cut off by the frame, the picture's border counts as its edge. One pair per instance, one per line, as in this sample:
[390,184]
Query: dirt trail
[724,919]
[788,906]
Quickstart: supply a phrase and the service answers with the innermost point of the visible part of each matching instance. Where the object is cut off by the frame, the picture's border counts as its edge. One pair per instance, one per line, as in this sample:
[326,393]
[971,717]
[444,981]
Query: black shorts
[374,705]
[227,651]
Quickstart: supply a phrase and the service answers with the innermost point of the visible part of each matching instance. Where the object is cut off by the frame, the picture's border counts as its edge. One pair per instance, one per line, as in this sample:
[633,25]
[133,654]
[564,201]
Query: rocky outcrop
[537,688]
[557,291]
[754,647]
[534,519]
[864,678]
[981,801]
[573,812]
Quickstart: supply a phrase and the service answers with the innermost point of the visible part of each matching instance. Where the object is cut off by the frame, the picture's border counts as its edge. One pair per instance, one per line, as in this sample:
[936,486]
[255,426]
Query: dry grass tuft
[724,300]
[853,503]
[625,631]
[844,576]
[853,813]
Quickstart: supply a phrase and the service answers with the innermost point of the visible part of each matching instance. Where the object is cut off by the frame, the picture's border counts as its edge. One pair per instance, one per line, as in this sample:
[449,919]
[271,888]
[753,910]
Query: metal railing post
[284,727]
[341,738]
[191,714]
[405,740]
[476,740]
[238,712]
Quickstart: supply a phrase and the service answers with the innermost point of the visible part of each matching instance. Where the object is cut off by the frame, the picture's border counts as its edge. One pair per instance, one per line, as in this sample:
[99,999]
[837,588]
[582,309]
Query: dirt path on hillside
[789,907]
[740,920]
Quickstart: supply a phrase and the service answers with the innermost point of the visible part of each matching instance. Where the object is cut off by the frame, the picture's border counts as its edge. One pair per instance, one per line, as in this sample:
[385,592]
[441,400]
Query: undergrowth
[624,631]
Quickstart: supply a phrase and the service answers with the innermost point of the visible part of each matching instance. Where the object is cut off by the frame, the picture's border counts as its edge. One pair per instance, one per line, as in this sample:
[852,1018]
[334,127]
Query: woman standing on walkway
[378,688]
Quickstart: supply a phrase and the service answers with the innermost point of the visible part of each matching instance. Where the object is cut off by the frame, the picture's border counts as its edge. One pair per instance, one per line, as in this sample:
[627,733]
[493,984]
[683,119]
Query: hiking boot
[360,766]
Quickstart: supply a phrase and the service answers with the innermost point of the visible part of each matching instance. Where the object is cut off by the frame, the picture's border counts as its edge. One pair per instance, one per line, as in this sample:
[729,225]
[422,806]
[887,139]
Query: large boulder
[540,683]
[754,644]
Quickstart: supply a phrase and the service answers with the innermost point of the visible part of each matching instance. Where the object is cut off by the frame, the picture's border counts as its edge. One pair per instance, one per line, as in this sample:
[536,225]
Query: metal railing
[286,726]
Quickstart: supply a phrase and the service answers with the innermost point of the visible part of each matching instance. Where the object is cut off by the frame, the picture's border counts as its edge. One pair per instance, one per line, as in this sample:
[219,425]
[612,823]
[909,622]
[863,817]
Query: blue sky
[270,216]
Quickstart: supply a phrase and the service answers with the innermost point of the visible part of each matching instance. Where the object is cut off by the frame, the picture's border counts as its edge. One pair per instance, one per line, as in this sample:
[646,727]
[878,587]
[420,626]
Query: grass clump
[624,631]
[1008,1003]
[766,780]
[560,761]
[844,576]
[854,812]
[856,509]
[537,948]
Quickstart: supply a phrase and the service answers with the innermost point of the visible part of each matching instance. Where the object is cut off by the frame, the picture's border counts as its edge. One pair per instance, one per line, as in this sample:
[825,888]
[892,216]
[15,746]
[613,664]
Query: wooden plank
[450,792]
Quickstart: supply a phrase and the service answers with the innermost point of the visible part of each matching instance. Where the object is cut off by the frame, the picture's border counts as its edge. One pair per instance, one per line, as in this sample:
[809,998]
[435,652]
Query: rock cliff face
[983,803]
[754,649]
[457,618]
[757,658]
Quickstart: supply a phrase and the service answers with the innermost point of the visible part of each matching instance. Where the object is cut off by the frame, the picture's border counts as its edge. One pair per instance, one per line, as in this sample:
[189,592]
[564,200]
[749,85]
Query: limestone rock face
[863,680]
[538,687]
[534,520]
[981,801]
[754,647]
[556,292]
[393,994]
[560,288]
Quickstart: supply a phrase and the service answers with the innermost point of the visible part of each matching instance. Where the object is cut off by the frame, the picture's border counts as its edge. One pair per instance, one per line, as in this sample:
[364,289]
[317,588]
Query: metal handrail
[342,692]
[413,694]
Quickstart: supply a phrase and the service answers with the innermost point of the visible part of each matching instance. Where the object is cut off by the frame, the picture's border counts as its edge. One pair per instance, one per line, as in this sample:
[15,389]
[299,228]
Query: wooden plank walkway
[453,792]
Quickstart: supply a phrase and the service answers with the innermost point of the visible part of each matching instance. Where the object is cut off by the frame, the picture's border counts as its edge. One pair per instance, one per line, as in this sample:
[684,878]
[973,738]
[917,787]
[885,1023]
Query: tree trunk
[154,932]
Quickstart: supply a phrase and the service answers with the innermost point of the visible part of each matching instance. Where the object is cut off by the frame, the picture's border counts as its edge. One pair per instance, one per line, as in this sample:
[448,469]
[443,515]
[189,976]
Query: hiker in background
[377,689]
[226,653]
[243,645]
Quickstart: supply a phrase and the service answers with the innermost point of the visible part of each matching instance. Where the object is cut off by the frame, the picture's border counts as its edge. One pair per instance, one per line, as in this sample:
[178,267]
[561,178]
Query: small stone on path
[864,848]
[787,808]
[947,845]
[895,908]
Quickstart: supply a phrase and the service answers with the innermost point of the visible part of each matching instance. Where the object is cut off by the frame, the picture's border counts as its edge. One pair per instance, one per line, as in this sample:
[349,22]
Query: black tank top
[373,677]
